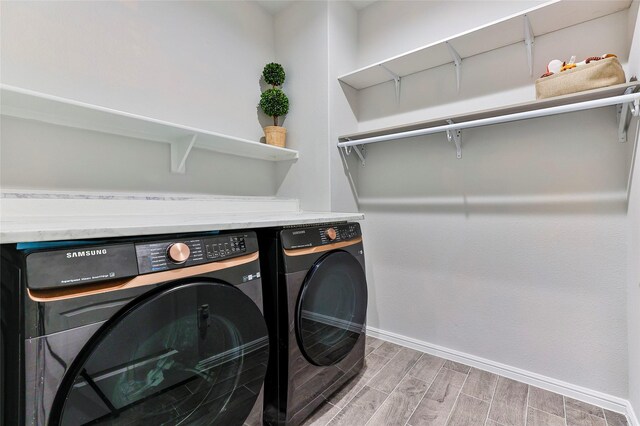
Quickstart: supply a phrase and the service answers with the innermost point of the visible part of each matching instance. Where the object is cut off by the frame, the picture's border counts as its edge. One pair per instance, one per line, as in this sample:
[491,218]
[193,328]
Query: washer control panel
[320,235]
[160,256]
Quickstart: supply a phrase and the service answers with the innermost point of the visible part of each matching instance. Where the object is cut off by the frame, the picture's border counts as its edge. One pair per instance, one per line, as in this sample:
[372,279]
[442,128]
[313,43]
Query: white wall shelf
[27,104]
[518,28]
[625,96]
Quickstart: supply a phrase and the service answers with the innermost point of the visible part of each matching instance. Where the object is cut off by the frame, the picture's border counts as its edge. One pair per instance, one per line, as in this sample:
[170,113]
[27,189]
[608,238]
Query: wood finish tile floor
[403,387]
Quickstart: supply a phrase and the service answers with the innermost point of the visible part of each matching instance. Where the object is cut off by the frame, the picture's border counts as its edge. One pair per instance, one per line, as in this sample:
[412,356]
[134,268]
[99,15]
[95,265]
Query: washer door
[332,308]
[191,354]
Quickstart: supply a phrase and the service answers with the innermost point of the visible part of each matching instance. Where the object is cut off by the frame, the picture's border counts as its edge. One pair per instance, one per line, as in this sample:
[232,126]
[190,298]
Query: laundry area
[324,212]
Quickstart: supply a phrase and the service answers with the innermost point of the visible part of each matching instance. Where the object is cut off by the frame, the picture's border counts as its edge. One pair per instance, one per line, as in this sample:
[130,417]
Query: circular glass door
[332,308]
[193,354]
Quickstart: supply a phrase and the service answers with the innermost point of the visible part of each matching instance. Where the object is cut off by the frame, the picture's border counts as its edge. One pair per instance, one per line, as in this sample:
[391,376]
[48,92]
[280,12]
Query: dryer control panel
[85,264]
[319,235]
[173,254]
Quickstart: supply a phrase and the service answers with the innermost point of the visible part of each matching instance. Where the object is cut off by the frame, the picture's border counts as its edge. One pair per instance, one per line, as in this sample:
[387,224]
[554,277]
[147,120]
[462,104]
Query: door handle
[204,320]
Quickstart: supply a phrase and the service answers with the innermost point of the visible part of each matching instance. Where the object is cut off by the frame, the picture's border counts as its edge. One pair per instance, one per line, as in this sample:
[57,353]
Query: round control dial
[178,252]
[330,233]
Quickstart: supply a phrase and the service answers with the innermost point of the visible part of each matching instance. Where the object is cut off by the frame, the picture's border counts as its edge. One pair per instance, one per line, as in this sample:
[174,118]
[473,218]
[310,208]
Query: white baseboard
[600,399]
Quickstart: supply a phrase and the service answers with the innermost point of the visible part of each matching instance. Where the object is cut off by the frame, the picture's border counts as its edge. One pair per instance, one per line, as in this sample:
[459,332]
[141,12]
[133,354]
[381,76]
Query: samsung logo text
[86,253]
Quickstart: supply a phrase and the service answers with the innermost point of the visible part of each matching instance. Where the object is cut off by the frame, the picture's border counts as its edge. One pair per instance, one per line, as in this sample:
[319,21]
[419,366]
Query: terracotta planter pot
[275,135]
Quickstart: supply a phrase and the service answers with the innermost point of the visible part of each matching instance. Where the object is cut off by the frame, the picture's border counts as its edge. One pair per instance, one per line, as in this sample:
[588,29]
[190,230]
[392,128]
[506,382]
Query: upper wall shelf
[521,27]
[27,104]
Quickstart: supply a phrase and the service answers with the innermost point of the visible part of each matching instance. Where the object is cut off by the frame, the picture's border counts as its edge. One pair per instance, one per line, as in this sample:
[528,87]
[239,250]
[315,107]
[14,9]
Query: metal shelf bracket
[457,62]
[360,150]
[180,150]
[396,79]
[625,111]
[455,136]
[528,43]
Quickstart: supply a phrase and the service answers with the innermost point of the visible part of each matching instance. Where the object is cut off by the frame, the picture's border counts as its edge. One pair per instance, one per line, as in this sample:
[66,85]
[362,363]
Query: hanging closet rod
[633,99]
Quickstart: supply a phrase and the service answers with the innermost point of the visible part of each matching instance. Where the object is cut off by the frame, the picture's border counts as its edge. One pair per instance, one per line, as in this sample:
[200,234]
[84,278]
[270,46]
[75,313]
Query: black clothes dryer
[315,293]
[141,331]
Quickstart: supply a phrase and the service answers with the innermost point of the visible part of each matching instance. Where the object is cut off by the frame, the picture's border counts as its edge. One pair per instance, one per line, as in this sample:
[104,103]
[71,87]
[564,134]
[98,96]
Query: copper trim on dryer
[320,249]
[52,295]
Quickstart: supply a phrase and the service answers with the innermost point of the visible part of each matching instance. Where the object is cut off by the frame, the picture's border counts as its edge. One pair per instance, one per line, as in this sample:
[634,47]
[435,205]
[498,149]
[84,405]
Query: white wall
[633,281]
[517,252]
[481,255]
[193,63]
[343,48]
[633,215]
[301,44]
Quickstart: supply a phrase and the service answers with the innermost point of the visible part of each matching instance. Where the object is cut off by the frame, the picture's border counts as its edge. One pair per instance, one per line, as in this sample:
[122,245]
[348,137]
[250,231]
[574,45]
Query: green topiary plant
[274,103]
[273,74]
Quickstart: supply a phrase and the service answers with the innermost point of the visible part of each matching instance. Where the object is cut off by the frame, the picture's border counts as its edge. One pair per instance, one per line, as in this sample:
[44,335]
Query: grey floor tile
[398,383]
[541,418]
[457,366]
[427,367]
[401,403]
[480,384]
[469,411]
[584,407]
[437,403]
[360,409]
[372,364]
[387,349]
[391,374]
[372,344]
[546,401]
[509,405]
[322,415]
[615,419]
[373,341]
[582,418]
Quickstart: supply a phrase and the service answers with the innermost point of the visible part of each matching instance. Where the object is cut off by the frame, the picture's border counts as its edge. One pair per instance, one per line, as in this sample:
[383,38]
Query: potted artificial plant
[274,103]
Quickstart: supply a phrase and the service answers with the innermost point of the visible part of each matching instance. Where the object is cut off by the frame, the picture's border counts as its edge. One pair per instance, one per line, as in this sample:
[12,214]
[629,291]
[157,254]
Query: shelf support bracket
[625,111]
[528,43]
[396,79]
[457,62]
[455,136]
[180,150]
[360,150]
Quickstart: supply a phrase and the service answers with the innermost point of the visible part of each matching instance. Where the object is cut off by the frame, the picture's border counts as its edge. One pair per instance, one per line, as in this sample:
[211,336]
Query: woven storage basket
[596,74]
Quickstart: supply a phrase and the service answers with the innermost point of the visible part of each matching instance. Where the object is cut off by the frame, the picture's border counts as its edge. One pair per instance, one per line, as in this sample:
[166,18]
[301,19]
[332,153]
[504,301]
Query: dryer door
[332,308]
[191,354]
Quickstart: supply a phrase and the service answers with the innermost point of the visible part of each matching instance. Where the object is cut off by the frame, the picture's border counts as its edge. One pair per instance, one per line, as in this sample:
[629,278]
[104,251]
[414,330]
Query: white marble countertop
[44,216]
